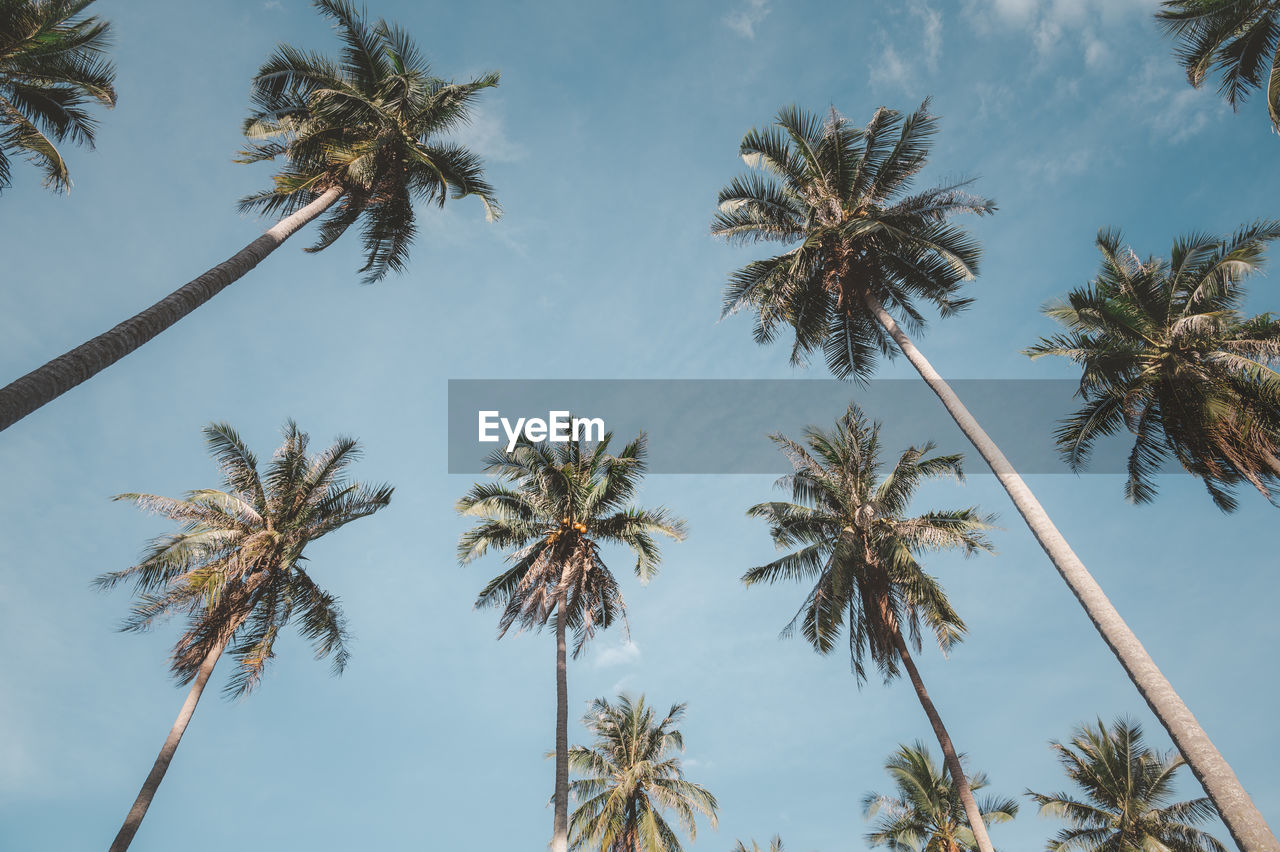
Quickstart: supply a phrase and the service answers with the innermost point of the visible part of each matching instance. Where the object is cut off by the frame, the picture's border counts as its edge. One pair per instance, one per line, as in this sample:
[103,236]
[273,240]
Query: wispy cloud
[891,68]
[623,685]
[994,100]
[1057,25]
[1160,97]
[1051,168]
[747,17]
[624,653]
[486,134]
[931,31]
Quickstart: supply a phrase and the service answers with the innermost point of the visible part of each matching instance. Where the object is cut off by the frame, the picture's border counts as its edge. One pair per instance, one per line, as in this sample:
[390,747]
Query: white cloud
[1018,10]
[623,685]
[1160,97]
[931,31]
[1051,167]
[486,134]
[1096,53]
[890,69]
[624,653]
[994,100]
[747,17]
[1055,25]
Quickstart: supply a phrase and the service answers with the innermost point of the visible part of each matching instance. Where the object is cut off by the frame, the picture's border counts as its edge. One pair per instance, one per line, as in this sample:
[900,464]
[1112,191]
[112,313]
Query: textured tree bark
[1238,811]
[560,821]
[161,766]
[952,759]
[47,383]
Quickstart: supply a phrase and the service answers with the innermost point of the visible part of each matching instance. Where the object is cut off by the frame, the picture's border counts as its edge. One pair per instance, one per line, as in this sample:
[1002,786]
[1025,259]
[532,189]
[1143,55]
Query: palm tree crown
[236,566]
[1167,355]
[1238,39]
[552,508]
[775,845]
[629,776]
[839,193]
[51,67]
[926,815]
[857,545]
[366,124]
[1127,791]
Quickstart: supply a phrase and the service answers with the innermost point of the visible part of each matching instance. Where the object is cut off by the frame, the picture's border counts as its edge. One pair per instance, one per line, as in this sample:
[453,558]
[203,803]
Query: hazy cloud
[931,31]
[1055,25]
[624,653]
[889,68]
[747,17]
[1049,167]
[1160,97]
[486,134]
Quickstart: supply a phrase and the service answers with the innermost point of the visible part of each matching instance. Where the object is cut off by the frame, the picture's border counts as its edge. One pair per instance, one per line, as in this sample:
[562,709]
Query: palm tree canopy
[775,845]
[367,122]
[236,567]
[52,65]
[838,194]
[926,814]
[1127,789]
[856,544]
[552,507]
[1237,39]
[1166,354]
[632,774]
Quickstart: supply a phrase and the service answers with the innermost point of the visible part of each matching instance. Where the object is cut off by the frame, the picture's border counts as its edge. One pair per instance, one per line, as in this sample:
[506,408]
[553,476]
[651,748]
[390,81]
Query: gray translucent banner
[722,426]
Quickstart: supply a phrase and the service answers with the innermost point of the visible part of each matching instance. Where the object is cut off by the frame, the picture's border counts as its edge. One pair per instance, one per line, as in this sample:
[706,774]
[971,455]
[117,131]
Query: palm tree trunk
[632,833]
[949,755]
[1238,811]
[560,822]
[161,766]
[47,383]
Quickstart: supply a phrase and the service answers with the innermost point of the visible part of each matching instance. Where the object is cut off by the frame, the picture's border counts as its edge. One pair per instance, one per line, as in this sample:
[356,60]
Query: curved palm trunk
[47,383]
[560,822]
[949,755]
[1238,811]
[161,766]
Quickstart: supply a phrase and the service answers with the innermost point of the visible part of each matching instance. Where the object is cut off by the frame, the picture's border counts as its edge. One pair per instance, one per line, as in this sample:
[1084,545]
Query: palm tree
[236,570]
[863,247]
[358,137]
[926,815]
[858,547]
[629,776]
[551,509]
[775,845]
[1235,38]
[1166,354]
[1127,788]
[51,68]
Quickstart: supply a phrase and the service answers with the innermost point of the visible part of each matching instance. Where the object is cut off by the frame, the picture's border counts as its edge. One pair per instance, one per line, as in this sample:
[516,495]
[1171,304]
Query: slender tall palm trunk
[161,766]
[47,383]
[560,822]
[949,755]
[631,835]
[1238,811]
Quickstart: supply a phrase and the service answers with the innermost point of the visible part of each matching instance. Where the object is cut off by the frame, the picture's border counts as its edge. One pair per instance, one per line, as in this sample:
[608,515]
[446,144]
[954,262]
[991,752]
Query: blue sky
[613,128]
